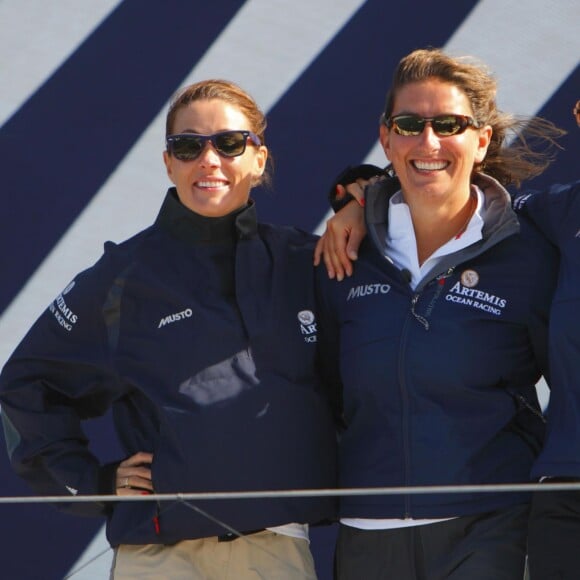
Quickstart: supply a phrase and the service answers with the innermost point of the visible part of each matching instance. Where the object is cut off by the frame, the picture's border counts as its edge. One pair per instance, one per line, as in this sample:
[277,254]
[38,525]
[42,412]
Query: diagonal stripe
[532,47]
[330,117]
[324,83]
[98,120]
[26,29]
[117,203]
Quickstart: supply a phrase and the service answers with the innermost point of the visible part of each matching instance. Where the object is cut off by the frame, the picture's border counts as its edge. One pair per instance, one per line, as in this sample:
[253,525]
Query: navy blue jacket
[557,213]
[439,382]
[201,335]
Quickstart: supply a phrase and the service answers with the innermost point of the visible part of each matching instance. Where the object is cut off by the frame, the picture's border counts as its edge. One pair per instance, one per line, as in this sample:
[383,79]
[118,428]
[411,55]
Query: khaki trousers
[261,556]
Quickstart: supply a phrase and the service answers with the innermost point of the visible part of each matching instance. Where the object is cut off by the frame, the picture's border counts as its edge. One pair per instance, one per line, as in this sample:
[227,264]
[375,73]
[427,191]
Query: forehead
[431,97]
[209,116]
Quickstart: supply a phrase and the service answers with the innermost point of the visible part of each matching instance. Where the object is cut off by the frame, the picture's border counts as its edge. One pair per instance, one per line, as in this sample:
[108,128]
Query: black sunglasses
[188,146]
[442,125]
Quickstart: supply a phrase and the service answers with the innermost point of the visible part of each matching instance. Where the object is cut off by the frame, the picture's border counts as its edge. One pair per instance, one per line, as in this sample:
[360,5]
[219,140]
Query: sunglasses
[442,125]
[188,146]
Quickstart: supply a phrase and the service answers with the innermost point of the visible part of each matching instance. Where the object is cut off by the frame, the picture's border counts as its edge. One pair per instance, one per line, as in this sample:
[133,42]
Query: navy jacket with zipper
[201,335]
[438,383]
[556,212]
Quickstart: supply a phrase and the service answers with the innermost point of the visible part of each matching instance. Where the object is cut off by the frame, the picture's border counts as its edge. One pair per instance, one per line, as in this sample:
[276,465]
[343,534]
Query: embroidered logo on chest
[307,322]
[367,290]
[187,313]
[466,293]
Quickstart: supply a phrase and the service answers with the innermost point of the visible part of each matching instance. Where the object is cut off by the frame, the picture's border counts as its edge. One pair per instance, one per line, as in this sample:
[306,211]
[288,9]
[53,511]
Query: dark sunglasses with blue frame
[188,146]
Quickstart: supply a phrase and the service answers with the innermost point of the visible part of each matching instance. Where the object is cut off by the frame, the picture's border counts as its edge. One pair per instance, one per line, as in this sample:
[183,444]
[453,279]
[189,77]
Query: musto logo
[367,290]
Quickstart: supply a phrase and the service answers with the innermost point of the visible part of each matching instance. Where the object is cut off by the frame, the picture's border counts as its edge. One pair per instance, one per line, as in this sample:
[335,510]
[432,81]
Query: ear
[168,160]
[384,135]
[260,159]
[483,141]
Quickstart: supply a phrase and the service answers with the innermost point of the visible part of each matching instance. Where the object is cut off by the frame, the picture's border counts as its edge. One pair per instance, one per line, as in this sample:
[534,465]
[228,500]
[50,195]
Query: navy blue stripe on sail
[63,143]
[57,150]
[330,117]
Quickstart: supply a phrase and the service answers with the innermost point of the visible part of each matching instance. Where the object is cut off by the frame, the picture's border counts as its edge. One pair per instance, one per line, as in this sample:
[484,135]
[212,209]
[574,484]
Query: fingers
[319,251]
[338,246]
[333,255]
[336,258]
[323,252]
[345,231]
[133,475]
[140,458]
[357,189]
[340,191]
[332,247]
[357,235]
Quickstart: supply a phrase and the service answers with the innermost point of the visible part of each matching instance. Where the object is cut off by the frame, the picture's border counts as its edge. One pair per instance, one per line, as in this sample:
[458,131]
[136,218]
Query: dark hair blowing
[532,140]
[222,90]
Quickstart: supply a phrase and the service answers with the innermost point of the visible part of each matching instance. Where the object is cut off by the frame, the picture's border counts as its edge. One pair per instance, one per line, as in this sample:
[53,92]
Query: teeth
[210,183]
[430,165]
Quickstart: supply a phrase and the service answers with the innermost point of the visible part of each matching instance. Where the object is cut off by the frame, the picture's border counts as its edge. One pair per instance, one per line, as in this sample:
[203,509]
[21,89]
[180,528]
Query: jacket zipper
[531,408]
[405,417]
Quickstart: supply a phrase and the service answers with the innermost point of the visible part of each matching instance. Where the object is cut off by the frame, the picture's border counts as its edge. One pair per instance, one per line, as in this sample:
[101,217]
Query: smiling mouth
[430,165]
[210,184]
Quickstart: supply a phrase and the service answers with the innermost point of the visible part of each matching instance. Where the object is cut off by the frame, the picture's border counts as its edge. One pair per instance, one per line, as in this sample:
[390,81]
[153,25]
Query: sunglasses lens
[186,148]
[444,125]
[408,125]
[448,125]
[230,144]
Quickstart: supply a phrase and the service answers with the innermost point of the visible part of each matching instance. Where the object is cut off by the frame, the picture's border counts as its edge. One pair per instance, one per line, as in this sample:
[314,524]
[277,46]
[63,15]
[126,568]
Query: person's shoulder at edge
[551,207]
[293,235]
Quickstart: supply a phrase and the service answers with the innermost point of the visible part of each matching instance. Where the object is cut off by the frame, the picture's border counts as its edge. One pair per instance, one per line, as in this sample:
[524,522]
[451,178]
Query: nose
[209,155]
[428,135]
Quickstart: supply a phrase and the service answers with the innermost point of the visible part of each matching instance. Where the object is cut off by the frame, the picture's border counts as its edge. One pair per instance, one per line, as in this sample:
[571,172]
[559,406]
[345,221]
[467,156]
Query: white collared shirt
[402,245]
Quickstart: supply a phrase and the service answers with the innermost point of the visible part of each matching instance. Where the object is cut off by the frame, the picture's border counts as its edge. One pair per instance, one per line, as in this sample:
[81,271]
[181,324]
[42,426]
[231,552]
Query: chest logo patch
[470,278]
[367,290]
[307,322]
[462,293]
[187,313]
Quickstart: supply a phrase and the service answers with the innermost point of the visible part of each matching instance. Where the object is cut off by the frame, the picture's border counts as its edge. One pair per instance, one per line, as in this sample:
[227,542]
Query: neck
[434,226]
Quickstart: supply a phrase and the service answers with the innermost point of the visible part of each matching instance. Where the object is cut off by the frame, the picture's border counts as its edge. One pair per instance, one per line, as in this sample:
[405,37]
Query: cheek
[384,138]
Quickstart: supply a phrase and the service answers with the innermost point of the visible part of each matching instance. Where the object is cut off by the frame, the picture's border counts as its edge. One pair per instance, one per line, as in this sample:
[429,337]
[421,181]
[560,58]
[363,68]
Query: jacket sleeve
[328,351]
[59,375]
[550,208]
[557,213]
[543,260]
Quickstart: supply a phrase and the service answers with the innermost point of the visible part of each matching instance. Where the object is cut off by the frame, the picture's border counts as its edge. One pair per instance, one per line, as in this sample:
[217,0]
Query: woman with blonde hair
[200,333]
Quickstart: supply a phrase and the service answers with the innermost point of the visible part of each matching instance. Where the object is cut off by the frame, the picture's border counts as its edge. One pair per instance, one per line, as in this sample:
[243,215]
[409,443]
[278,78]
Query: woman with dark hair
[441,332]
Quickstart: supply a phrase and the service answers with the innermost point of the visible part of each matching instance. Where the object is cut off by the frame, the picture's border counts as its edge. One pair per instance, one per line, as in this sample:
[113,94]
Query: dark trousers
[554,539]
[490,546]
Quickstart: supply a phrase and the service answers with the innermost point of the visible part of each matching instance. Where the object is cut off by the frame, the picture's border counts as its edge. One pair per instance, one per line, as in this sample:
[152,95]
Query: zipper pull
[156,524]
[420,318]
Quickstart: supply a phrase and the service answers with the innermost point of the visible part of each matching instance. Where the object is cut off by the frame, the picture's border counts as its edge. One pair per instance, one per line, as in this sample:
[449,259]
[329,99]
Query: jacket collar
[193,228]
[499,213]
[500,220]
